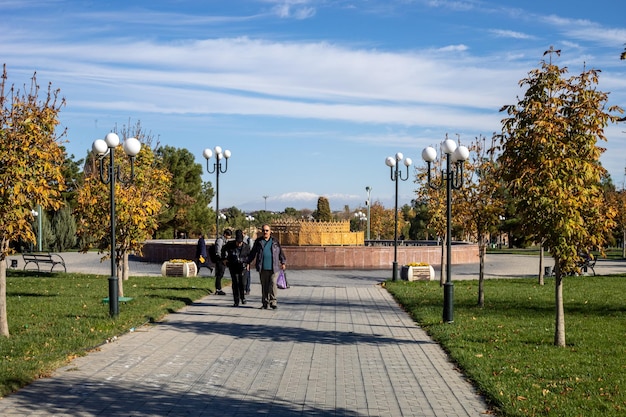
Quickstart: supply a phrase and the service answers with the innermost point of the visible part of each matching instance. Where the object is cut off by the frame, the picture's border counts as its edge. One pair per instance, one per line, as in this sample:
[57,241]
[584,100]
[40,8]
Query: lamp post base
[448,302]
[114,309]
[394,273]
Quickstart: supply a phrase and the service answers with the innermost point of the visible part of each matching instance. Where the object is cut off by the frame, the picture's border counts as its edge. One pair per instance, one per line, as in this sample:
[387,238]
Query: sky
[309,96]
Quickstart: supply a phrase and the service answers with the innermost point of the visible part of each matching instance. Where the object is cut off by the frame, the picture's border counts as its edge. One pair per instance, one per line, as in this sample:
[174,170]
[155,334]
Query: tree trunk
[624,243]
[119,262]
[4,322]
[541,281]
[125,266]
[481,272]
[559,329]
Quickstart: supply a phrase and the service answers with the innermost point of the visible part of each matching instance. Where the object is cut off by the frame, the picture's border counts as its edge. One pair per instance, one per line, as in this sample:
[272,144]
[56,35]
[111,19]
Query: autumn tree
[435,200]
[137,203]
[550,159]
[31,160]
[619,199]
[382,221]
[480,203]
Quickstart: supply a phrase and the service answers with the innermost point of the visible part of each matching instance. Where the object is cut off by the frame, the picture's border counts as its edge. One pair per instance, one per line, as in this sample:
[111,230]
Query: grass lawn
[507,348]
[55,317]
[609,253]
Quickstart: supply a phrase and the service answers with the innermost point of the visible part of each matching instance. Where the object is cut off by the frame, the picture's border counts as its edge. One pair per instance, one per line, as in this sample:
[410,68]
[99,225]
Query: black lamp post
[100,147]
[368,189]
[217,169]
[396,176]
[453,180]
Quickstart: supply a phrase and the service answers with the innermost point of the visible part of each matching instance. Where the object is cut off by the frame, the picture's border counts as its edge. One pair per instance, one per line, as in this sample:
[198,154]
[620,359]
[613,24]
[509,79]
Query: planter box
[417,273]
[179,269]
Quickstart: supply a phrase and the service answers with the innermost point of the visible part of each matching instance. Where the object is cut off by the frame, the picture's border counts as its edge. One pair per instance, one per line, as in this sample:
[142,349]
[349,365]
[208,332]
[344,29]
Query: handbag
[281,281]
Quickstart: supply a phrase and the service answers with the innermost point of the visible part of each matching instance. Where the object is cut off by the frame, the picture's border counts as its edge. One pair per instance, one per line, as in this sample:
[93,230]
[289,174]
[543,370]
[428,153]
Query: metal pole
[113,283]
[217,197]
[448,287]
[369,190]
[394,276]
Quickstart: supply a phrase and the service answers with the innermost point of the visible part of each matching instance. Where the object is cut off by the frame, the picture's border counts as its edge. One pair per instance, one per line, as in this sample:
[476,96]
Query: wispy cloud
[293,9]
[586,30]
[510,34]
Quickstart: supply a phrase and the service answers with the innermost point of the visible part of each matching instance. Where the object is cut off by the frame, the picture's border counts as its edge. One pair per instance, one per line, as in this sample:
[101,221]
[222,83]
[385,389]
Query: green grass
[507,347]
[55,317]
[610,253]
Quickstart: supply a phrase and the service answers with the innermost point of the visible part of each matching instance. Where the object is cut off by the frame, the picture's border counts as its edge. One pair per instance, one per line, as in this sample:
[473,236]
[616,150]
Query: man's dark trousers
[219,273]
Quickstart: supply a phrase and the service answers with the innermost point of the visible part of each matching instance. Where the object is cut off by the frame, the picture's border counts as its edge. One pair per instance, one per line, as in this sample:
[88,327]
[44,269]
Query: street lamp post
[453,180]
[250,219]
[394,165]
[100,147]
[37,214]
[368,189]
[217,169]
[360,216]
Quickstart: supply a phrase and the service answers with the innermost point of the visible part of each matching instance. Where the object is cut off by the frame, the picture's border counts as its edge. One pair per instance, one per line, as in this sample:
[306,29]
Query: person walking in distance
[202,256]
[219,265]
[270,259]
[235,254]
[247,240]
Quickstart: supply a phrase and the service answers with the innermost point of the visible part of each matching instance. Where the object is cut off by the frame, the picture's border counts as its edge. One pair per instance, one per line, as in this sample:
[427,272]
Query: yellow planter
[179,269]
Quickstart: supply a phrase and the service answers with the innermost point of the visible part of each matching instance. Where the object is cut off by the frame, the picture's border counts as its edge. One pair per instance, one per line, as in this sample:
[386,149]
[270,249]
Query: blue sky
[310,96]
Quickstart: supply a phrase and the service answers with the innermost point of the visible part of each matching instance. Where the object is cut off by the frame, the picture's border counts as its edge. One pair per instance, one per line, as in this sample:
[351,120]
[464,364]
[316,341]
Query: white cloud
[294,196]
[296,9]
[454,48]
[510,34]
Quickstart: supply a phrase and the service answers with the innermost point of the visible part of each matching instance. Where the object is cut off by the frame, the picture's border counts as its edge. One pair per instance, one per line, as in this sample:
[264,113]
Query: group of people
[237,254]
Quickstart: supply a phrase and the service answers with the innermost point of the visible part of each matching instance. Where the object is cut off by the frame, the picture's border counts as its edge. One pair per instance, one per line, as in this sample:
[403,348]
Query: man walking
[235,253]
[270,259]
[219,265]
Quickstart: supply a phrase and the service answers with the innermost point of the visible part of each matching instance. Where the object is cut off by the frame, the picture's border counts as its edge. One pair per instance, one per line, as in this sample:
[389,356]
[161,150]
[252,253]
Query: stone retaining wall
[321,257]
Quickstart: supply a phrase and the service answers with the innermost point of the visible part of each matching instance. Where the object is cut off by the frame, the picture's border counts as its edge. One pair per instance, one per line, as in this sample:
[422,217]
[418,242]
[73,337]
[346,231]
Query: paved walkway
[338,345]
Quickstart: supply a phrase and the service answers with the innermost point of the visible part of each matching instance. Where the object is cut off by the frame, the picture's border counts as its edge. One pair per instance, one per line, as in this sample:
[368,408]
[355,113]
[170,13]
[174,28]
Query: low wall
[321,257]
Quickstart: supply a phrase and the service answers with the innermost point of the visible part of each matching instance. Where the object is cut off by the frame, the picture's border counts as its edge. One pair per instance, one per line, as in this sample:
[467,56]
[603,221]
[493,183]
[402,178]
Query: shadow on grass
[29,294]
[29,273]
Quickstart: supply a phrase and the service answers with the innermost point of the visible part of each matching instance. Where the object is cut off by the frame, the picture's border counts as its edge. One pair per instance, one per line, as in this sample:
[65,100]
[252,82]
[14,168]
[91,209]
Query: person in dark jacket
[219,265]
[270,259]
[202,256]
[235,255]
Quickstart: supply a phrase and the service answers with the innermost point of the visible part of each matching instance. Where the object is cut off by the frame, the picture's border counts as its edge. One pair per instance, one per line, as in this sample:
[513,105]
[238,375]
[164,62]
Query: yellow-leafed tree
[480,202]
[137,204]
[31,162]
[382,221]
[551,161]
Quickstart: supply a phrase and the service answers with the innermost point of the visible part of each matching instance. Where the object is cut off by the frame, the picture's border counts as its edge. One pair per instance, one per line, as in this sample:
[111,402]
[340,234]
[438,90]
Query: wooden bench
[38,258]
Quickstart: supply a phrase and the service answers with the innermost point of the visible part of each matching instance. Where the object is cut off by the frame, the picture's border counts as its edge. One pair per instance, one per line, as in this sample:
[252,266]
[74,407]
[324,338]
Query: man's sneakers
[220,292]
